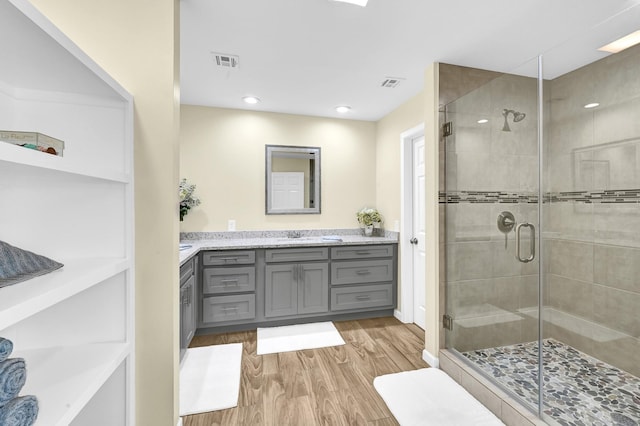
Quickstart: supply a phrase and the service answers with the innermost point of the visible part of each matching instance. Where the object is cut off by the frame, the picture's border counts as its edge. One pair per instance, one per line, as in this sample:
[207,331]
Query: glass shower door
[492,219]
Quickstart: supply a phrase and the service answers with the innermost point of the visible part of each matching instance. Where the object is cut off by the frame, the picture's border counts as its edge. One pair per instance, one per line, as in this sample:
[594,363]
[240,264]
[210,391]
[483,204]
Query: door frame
[406,314]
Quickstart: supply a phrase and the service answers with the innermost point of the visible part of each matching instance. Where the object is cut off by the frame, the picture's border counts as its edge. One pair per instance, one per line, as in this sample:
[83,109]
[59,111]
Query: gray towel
[6,347]
[21,411]
[13,375]
[17,265]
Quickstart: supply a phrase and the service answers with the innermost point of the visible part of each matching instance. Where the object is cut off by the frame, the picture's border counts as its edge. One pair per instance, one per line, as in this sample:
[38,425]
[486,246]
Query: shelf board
[28,157]
[19,301]
[64,379]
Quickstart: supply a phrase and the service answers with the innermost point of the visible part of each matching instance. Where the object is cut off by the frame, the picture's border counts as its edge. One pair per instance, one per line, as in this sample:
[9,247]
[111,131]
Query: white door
[287,190]
[419,234]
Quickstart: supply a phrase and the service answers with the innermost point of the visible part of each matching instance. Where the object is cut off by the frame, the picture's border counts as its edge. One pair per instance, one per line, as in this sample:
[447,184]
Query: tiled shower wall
[593,222]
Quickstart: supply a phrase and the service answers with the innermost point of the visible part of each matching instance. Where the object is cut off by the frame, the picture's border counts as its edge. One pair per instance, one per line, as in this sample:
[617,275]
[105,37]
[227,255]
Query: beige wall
[388,148]
[222,152]
[434,304]
[136,41]
[388,130]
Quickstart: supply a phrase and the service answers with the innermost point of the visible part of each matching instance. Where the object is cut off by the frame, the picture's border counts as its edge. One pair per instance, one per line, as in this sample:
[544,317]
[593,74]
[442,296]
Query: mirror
[292,179]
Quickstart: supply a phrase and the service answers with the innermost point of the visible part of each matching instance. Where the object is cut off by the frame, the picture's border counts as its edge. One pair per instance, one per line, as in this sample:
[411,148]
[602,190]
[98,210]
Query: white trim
[406,213]
[430,359]
[398,315]
[179,421]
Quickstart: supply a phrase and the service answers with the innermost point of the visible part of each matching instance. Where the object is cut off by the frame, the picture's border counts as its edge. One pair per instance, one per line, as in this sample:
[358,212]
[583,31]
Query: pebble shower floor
[579,390]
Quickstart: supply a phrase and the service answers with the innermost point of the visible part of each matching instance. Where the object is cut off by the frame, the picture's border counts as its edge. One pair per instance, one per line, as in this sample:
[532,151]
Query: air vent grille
[225,60]
[391,82]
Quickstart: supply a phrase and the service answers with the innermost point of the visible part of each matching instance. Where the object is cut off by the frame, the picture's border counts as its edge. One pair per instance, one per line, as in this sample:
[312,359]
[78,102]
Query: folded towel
[21,411]
[18,265]
[6,347]
[13,375]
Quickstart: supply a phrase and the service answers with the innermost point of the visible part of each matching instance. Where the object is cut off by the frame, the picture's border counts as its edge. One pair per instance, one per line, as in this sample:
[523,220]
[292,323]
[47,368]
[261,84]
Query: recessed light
[483,121]
[362,3]
[251,100]
[592,105]
[622,43]
[343,109]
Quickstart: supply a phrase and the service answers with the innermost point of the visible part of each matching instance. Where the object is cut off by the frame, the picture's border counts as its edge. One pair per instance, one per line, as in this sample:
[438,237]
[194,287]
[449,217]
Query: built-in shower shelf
[483,315]
[575,324]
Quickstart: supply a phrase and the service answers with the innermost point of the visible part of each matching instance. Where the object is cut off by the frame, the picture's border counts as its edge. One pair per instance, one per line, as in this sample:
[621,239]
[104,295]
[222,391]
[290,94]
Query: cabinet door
[183,321]
[190,308]
[281,290]
[313,288]
[187,314]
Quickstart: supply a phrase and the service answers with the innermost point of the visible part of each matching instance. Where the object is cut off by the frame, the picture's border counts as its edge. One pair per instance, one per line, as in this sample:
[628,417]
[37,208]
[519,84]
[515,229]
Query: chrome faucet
[294,234]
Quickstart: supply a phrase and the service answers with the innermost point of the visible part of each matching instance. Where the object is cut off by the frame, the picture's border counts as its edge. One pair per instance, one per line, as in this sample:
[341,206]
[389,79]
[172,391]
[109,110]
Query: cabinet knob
[414,240]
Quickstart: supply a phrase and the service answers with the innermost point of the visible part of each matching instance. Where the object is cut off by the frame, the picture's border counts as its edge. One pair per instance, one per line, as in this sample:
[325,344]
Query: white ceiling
[309,56]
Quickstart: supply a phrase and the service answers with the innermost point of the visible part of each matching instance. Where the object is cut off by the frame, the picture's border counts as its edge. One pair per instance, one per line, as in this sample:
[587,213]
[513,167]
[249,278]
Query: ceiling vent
[224,60]
[391,82]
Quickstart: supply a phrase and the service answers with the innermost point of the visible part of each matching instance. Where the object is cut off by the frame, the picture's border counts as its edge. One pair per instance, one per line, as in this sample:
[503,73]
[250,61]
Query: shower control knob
[414,240]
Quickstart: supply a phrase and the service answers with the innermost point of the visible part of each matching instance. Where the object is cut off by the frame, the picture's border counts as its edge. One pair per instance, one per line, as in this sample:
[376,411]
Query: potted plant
[369,218]
[187,199]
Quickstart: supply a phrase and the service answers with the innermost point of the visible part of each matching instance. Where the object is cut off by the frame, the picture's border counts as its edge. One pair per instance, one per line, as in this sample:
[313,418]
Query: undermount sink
[318,239]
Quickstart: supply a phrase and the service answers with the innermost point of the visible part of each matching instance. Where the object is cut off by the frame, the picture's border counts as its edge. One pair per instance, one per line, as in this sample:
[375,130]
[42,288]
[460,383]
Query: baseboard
[399,316]
[430,359]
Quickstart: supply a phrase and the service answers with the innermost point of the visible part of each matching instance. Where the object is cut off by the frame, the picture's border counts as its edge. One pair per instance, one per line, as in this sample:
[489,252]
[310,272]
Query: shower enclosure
[542,213]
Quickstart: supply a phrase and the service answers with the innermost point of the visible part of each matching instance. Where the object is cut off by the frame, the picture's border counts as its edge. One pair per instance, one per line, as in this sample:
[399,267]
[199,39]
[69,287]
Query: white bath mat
[210,378]
[430,397]
[298,337]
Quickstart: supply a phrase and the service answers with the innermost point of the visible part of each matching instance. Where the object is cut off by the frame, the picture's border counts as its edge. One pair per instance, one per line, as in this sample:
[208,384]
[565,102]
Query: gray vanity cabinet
[242,289]
[187,303]
[297,288]
[228,287]
[362,278]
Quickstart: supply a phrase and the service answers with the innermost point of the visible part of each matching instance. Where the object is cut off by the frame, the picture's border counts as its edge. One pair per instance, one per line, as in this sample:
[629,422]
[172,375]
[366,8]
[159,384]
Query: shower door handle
[532,244]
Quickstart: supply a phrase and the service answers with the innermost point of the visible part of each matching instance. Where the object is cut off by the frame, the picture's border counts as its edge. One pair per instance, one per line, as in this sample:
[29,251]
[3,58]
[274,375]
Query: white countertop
[278,242]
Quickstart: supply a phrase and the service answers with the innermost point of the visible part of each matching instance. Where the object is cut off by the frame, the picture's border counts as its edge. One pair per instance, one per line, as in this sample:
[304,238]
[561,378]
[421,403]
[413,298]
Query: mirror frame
[315,154]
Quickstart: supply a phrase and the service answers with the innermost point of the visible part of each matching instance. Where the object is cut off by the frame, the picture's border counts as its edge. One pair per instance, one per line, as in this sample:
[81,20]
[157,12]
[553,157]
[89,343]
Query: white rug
[430,397]
[298,337]
[210,378]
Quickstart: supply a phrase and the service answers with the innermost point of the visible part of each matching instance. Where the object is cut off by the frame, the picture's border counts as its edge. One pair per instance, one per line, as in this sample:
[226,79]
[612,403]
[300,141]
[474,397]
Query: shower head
[517,117]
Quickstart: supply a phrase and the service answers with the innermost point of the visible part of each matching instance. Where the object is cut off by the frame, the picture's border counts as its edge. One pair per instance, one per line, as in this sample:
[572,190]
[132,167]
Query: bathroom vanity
[259,282]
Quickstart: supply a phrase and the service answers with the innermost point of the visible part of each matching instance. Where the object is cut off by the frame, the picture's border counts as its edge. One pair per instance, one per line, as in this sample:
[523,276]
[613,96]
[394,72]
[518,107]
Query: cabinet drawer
[228,308]
[228,280]
[362,297]
[361,252]
[186,271]
[215,258]
[297,254]
[364,271]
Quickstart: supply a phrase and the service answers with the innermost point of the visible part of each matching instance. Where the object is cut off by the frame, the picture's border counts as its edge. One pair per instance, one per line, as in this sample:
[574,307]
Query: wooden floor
[327,386]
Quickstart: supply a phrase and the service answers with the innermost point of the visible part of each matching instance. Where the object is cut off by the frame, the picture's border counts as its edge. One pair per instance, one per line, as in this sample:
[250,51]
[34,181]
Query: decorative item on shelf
[15,410]
[33,140]
[187,199]
[370,220]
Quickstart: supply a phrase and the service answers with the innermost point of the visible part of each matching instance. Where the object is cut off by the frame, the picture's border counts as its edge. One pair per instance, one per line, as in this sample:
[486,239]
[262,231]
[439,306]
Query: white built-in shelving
[74,326]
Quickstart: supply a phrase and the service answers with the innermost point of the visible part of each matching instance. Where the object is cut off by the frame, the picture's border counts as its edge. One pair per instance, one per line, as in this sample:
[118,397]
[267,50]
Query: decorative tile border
[608,196]
[487,197]
[620,196]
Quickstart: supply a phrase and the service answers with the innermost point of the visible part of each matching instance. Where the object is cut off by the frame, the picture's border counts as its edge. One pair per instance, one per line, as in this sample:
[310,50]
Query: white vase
[368,230]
